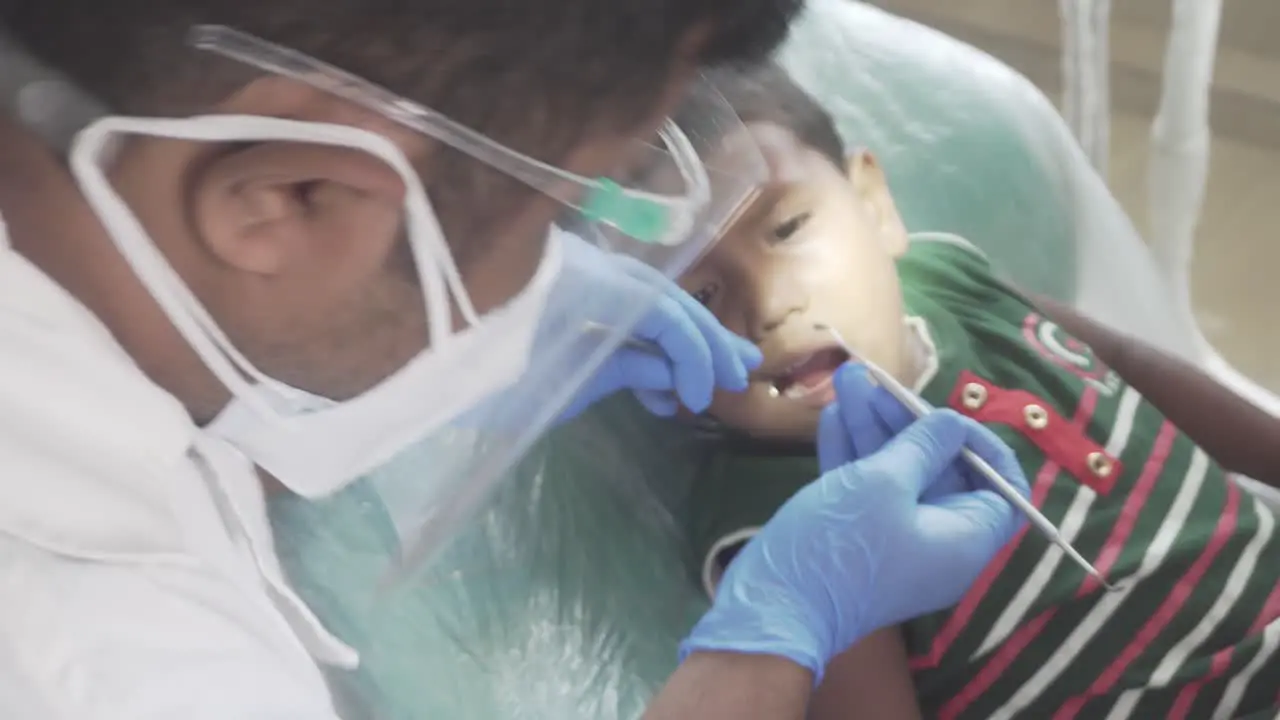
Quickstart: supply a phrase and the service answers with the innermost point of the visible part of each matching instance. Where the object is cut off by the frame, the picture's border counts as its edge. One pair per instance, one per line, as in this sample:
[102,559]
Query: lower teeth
[795,392]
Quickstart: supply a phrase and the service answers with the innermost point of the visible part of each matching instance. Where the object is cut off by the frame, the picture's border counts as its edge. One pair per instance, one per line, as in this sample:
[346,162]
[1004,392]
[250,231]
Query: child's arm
[1239,435]
[869,682]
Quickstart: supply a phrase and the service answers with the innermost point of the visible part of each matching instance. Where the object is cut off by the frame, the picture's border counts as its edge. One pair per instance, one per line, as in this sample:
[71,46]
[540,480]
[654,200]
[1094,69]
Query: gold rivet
[973,396]
[1037,417]
[1100,464]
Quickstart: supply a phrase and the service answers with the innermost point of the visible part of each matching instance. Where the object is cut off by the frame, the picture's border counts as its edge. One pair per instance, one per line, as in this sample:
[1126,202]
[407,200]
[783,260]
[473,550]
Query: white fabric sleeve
[84,640]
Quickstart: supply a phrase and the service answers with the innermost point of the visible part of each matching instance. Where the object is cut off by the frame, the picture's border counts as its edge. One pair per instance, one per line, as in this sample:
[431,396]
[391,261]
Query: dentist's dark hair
[532,74]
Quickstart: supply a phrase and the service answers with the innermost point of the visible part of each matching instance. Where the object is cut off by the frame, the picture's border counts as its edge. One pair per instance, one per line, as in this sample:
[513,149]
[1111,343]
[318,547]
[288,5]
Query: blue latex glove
[866,417]
[861,548]
[698,353]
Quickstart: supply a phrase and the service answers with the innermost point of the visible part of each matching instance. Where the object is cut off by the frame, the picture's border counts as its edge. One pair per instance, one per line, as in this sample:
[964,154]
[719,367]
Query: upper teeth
[796,365]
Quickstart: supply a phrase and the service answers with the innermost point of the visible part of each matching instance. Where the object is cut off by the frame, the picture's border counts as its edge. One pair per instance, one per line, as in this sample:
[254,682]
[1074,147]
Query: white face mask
[312,445]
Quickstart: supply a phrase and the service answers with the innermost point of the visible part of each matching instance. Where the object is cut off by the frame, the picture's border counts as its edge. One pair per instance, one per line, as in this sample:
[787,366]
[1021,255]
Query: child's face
[818,246]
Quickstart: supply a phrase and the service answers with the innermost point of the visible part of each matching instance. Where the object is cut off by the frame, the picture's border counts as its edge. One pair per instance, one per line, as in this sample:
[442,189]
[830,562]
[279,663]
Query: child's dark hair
[765,93]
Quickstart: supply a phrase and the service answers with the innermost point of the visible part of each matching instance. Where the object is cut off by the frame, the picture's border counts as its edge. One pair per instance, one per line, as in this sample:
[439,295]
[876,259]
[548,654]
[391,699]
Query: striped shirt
[1195,629]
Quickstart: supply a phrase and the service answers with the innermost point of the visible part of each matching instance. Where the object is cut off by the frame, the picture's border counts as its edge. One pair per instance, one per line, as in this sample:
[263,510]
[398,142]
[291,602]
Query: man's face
[817,247]
[299,250]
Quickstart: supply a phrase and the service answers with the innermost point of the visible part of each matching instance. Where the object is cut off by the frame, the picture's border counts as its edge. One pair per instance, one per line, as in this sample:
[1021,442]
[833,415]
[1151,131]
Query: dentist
[312,234]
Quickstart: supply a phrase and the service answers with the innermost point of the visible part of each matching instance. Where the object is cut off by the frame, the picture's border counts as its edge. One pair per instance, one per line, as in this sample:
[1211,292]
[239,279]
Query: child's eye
[790,227]
[706,293]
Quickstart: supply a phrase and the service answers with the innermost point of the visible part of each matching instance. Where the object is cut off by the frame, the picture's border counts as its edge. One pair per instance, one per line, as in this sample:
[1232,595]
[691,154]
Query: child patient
[1193,633]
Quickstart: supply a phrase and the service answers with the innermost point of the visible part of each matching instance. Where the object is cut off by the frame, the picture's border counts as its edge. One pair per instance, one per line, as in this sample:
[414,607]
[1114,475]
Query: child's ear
[872,190]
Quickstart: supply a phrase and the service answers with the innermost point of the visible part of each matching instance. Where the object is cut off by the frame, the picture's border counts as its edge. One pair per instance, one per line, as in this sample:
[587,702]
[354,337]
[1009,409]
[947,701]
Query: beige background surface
[1236,279]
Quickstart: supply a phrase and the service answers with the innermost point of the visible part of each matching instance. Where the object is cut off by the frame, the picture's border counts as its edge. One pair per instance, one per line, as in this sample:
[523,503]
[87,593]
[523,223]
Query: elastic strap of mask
[185,311]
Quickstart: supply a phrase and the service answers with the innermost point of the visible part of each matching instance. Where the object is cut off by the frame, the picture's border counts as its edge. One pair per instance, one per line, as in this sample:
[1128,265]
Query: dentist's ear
[272,208]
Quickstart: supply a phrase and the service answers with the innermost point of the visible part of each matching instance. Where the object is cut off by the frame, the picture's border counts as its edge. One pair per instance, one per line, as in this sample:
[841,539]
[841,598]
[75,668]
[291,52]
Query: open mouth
[809,378]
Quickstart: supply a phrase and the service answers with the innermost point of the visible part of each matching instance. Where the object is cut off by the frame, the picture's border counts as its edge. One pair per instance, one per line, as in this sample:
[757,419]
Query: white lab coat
[138,580]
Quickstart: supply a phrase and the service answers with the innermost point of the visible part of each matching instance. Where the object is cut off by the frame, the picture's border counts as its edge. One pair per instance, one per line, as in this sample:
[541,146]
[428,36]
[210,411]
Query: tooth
[795,392]
[773,391]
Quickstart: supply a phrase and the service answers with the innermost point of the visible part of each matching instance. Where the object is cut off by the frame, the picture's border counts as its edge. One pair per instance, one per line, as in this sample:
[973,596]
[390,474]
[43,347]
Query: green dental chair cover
[568,596]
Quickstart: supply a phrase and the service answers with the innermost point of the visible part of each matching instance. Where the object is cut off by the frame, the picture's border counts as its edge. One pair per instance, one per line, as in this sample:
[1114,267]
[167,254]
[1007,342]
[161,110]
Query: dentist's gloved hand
[697,356]
[866,417]
[871,543]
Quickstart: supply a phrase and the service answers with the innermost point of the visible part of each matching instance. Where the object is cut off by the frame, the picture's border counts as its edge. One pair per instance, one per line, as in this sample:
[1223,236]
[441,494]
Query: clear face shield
[473,401]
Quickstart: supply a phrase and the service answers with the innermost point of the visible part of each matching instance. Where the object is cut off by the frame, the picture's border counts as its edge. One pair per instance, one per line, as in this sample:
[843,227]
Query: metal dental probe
[920,408]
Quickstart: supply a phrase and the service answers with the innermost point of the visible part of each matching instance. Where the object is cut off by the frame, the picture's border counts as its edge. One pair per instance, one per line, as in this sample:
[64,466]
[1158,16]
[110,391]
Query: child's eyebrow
[794,197]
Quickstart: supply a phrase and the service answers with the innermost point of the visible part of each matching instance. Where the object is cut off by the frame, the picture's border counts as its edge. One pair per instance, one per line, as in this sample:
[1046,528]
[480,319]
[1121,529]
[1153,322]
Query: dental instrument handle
[647,346]
[920,408]
[1010,493]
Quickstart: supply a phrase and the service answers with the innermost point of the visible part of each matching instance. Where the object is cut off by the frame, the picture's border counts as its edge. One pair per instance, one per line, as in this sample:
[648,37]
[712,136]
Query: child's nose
[778,298]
